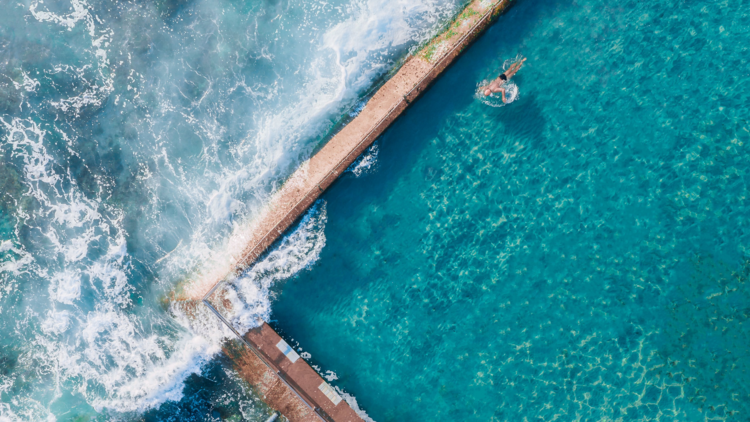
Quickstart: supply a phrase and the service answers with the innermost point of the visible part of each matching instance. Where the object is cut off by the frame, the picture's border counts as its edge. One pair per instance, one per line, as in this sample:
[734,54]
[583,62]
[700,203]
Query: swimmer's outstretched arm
[503,91]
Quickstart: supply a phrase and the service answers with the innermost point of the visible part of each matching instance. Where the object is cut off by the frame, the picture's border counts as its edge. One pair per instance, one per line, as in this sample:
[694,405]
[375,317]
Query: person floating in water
[497,85]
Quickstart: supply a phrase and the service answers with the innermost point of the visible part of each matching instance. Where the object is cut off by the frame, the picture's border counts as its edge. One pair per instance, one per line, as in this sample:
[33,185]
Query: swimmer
[497,85]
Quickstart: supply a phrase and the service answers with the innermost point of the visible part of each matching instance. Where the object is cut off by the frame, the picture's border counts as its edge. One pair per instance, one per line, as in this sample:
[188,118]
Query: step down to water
[273,417]
[286,382]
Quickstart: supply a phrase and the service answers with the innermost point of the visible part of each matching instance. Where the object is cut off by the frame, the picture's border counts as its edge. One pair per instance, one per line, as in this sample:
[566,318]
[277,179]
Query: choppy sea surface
[582,253]
[135,136]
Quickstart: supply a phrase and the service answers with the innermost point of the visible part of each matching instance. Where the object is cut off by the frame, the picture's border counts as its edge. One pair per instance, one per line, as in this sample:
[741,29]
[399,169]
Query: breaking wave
[366,163]
[141,136]
[250,293]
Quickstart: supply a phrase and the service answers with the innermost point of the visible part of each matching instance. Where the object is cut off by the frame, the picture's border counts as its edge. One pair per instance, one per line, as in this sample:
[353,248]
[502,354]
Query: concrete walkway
[312,178]
[287,383]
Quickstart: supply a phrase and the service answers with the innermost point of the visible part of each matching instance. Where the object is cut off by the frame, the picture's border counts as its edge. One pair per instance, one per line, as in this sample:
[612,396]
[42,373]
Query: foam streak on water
[137,137]
[250,293]
[366,163]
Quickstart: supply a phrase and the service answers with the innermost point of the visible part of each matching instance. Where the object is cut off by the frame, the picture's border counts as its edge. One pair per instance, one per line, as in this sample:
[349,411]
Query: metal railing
[316,192]
[296,390]
[335,171]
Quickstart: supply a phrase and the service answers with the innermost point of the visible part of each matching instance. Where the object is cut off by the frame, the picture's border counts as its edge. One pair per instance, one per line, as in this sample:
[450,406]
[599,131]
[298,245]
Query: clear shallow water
[136,136]
[581,254]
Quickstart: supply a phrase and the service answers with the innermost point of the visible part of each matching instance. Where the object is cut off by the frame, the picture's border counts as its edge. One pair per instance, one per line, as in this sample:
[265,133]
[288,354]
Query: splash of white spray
[110,349]
[250,293]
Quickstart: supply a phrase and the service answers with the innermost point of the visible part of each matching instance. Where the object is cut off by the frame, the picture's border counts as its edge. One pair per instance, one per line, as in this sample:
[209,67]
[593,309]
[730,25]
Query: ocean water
[579,254]
[135,137]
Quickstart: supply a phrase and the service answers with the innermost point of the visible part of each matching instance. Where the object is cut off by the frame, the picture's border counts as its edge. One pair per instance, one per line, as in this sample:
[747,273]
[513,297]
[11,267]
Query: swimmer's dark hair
[503,77]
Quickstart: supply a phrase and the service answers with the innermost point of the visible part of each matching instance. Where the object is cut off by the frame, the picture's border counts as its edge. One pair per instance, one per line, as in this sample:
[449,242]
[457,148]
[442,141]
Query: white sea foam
[20,409]
[57,322]
[352,402]
[330,376]
[380,28]
[365,164]
[69,21]
[96,91]
[6,414]
[135,370]
[92,340]
[111,350]
[14,262]
[250,293]
[29,84]
[66,286]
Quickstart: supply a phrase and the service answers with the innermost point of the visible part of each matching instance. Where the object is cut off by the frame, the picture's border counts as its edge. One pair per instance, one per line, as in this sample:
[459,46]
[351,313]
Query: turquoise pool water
[581,254]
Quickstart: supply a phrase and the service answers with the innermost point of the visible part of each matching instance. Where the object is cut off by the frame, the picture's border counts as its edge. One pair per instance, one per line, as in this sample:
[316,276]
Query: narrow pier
[286,382]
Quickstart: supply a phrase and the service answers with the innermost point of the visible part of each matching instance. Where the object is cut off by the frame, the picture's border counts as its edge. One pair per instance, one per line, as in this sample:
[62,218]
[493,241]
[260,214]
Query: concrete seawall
[287,383]
[308,182]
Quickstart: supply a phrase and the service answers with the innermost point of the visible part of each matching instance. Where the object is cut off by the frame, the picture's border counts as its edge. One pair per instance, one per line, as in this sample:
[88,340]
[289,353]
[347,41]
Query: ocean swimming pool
[580,253]
[136,136]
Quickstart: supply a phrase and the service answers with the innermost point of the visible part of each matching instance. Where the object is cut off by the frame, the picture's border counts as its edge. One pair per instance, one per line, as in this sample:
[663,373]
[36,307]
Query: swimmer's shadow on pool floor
[522,119]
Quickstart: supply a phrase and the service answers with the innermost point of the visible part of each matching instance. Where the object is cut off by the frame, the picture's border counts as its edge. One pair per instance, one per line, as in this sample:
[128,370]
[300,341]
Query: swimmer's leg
[514,69]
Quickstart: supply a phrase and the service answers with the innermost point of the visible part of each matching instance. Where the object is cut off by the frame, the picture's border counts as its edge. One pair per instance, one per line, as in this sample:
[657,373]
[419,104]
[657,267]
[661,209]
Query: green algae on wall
[443,41]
